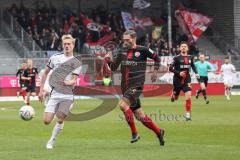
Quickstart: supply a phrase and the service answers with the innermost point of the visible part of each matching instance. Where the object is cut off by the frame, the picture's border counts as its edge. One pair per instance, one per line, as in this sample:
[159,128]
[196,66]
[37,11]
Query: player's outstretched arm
[233,69]
[43,79]
[211,68]
[113,63]
[194,68]
[18,72]
[151,54]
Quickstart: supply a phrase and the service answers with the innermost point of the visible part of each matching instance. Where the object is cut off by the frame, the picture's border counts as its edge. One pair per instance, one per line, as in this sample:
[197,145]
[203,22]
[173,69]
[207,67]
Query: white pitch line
[7,109]
[15,98]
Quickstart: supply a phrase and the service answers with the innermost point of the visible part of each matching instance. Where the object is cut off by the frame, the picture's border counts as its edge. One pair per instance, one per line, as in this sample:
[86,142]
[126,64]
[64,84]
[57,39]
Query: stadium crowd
[46,25]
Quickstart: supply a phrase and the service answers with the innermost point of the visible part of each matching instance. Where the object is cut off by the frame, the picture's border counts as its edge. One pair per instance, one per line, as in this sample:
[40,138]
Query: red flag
[85,19]
[192,23]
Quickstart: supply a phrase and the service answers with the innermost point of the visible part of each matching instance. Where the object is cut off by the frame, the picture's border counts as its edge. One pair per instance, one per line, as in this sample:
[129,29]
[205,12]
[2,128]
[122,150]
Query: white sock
[71,107]
[226,92]
[56,130]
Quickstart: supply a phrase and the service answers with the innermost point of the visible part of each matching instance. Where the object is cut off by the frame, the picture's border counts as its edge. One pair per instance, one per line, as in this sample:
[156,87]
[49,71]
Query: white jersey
[54,62]
[228,70]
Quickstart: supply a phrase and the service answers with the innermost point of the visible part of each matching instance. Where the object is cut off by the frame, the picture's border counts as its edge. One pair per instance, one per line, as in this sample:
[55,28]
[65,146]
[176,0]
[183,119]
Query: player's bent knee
[188,95]
[139,114]
[47,118]
[60,121]
[123,105]
[47,121]
[138,117]
[203,86]
[61,117]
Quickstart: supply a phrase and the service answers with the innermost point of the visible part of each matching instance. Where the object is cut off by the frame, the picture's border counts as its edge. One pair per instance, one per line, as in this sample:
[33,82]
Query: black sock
[204,94]
[199,91]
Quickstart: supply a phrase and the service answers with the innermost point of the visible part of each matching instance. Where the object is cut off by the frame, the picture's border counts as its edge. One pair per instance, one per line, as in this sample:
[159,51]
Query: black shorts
[31,88]
[179,85]
[23,85]
[203,80]
[133,94]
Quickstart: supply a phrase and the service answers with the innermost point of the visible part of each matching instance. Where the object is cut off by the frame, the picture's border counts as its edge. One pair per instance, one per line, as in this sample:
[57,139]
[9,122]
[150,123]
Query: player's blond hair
[29,60]
[68,36]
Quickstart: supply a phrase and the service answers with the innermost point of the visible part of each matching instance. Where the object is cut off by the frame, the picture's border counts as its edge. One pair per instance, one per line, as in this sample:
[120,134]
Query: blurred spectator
[54,41]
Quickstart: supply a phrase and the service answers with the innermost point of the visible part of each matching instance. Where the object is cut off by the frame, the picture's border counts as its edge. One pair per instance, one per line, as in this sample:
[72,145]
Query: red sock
[130,120]
[146,121]
[188,105]
[23,94]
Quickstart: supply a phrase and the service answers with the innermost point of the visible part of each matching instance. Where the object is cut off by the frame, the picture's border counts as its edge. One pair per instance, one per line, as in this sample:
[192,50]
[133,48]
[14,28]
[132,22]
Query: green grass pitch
[213,134]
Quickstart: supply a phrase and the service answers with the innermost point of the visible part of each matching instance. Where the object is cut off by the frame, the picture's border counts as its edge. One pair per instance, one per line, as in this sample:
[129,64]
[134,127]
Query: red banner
[192,23]
[217,63]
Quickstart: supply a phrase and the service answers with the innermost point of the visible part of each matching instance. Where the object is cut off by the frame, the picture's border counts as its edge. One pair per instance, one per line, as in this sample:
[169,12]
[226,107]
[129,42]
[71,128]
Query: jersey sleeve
[210,67]
[193,66]
[25,73]
[18,72]
[36,70]
[196,64]
[221,70]
[77,71]
[152,55]
[233,68]
[173,66]
[114,64]
[50,63]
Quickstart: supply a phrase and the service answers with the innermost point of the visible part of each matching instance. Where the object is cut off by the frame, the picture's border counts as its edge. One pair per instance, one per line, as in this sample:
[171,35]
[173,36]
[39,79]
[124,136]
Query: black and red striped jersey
[19,74]
[133,65]
[182,63]
[32,73]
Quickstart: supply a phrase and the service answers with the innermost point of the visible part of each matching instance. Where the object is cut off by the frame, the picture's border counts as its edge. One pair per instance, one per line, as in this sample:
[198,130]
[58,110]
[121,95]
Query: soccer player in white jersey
[228,72]
[59,104]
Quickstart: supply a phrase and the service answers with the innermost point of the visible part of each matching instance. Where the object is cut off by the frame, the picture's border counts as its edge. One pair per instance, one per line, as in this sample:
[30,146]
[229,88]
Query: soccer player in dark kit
[30,76]
[181,67]
[22,82]
[133,59]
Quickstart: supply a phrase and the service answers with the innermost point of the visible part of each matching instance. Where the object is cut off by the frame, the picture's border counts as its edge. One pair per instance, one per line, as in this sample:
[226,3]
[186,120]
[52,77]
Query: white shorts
[59,105]
[228,81]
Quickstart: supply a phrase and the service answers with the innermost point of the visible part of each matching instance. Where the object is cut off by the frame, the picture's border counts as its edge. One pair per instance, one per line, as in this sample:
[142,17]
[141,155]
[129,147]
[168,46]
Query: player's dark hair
[184,42]
[132,33]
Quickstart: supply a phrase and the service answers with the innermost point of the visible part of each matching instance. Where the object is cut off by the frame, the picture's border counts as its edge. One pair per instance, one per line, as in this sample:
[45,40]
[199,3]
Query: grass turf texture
[212,134]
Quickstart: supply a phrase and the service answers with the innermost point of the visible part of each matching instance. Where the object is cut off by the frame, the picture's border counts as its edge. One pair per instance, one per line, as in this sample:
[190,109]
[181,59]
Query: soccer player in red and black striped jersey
[181,67]
[133,59]
[22,82]
[30,77]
